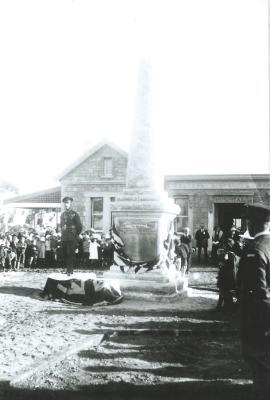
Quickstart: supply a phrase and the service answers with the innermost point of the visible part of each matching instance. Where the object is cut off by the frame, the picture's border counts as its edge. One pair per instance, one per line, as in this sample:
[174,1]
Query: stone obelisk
[144,212]
[143,172]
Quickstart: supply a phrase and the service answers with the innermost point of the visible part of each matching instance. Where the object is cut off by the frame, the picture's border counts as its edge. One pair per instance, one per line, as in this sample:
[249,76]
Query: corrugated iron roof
[52,195]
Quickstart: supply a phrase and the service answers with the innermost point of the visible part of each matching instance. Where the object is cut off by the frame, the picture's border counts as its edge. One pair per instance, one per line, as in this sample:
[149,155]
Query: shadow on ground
[119,391]
[169,356]
[21,291]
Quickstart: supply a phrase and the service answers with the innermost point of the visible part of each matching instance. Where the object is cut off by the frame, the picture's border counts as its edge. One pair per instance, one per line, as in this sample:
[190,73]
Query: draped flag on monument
[168,255]
[123,260]
[116,238]
[149,265]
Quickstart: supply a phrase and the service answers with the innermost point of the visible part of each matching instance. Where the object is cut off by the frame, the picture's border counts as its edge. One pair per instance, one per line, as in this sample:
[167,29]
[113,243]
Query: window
[237,222]
[97,213]
[107,166]
[181,221]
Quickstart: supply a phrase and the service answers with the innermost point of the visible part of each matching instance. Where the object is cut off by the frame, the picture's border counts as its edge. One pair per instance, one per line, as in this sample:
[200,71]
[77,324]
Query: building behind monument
[96,179]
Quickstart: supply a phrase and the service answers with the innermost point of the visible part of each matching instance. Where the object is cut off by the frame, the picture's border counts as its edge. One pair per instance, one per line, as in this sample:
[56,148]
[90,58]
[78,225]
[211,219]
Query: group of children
[43,250]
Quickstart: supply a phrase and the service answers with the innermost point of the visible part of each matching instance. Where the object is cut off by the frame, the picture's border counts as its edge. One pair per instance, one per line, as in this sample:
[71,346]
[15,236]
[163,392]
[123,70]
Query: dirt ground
[145,347]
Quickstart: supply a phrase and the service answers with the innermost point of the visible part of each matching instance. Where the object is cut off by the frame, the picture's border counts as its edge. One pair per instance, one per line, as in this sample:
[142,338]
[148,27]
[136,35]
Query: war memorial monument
[143,214]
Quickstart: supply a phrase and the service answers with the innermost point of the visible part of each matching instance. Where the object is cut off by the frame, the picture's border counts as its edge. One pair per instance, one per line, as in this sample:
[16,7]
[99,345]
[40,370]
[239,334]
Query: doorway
[229,214]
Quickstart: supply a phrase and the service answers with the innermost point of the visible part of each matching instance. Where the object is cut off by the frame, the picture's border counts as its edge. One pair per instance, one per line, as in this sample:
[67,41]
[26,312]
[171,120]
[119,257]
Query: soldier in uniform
[71,227]
[254,283]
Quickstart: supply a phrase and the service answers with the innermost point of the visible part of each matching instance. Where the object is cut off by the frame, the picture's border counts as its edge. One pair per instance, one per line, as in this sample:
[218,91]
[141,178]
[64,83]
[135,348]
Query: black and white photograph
[134,199]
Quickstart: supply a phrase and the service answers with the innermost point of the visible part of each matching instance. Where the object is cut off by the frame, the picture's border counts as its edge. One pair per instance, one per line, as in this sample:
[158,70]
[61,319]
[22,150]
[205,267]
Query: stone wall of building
[87,181]
[203,192]
[200,210]
[91,170]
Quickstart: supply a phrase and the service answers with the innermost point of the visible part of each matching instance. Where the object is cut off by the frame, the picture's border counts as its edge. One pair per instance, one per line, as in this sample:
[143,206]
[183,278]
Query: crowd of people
[244,283]
[45,250]
[219,239]
[185,246]
[227,249]
[244,268]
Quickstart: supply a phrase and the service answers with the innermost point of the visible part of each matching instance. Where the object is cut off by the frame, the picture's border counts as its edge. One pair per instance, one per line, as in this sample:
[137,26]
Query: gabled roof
[89,153]
[52,195]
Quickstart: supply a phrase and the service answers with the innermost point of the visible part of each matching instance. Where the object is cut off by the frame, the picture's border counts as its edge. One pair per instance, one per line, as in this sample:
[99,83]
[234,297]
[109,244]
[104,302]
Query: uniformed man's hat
[66,199]
[259,211]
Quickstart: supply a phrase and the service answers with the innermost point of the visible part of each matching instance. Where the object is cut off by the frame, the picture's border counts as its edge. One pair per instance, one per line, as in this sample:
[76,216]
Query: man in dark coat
[202,237]
[217,237]
[254,283]
[226,280]
[71,227]
[107,248]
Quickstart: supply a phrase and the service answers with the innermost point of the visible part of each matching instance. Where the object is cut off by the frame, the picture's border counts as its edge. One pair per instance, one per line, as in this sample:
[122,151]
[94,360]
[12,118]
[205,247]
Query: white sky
[68,76]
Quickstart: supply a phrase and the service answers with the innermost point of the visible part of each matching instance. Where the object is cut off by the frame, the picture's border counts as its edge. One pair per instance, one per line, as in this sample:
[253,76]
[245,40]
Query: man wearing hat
[202,237]
[254,284]
[71,227]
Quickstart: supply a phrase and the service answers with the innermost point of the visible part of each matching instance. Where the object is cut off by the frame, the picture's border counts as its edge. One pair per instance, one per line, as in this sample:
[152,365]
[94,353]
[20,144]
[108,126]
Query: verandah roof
[49,198]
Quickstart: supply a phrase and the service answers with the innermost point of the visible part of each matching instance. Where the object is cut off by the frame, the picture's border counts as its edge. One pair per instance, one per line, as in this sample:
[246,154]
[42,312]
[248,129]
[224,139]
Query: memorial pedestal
[158,283]
[143,219]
